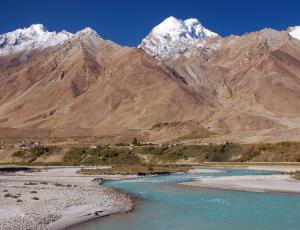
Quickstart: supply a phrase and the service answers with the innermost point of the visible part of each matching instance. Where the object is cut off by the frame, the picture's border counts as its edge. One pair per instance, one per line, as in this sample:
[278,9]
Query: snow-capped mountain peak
[195,28]
[35,37]
[174,36]
[169,25]
[294,32]
[87,32]
[37,28]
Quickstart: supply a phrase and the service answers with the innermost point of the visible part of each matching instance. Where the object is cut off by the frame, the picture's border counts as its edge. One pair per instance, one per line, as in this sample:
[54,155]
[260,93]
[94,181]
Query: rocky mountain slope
[89,86]
[182,81]
[257,72]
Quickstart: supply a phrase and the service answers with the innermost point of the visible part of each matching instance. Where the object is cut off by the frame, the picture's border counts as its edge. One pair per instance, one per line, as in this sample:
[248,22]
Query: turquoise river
[163,204]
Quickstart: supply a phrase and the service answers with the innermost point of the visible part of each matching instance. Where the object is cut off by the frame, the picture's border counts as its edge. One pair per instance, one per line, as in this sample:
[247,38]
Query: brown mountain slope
[256,74]
[239,87]
[90,86]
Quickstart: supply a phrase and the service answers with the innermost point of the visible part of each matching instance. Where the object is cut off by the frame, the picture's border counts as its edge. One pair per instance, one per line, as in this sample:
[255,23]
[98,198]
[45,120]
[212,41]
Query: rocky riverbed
[35,200]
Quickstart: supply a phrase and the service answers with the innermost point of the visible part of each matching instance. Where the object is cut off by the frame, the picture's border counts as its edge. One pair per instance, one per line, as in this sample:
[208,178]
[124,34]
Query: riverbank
[266,166]
[250,183]
[55,198]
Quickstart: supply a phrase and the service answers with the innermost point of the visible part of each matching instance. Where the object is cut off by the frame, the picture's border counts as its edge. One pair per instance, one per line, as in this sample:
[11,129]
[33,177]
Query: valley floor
[57,197]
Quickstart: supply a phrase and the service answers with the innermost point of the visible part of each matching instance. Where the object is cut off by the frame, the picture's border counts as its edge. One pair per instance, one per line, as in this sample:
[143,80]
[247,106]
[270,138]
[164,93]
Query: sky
[127,22]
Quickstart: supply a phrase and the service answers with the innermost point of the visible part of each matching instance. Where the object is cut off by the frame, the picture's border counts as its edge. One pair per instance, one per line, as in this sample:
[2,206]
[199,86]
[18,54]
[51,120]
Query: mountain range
[183,82]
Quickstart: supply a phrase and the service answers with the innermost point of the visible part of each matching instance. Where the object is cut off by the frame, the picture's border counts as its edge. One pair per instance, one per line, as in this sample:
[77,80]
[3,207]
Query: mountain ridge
[187,33]
[239,87]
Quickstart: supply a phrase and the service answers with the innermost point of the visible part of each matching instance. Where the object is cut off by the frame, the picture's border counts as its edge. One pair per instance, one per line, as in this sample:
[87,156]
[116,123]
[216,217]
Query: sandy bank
[78,214]
[276,168]
[205,171]
[251,183]
[37,200]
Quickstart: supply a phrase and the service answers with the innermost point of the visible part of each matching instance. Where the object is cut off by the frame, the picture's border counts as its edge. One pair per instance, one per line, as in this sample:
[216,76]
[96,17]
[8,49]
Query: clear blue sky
[128,21]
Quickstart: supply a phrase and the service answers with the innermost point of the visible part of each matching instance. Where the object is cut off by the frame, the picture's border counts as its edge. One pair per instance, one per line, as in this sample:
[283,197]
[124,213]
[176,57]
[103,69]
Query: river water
[163,204]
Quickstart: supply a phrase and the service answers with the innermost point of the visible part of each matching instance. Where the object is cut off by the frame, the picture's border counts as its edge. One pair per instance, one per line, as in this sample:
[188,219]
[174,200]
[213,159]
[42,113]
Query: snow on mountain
[87,32]
[294,32]
[31,38]
[174,36]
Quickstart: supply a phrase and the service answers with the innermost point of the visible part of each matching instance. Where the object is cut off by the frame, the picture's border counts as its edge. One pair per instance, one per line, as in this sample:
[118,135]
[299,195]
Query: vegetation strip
[165,154]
